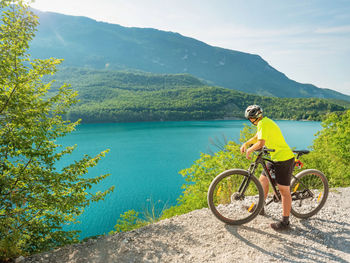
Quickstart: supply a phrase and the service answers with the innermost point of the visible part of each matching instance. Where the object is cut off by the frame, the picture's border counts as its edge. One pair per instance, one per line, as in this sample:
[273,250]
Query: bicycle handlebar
[265,150]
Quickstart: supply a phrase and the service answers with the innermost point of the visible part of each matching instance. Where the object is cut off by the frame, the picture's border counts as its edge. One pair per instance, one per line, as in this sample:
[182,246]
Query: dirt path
[199,237]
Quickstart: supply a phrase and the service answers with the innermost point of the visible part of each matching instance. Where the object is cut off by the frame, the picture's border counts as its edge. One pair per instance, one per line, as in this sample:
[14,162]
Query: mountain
[84,42]
[114,96]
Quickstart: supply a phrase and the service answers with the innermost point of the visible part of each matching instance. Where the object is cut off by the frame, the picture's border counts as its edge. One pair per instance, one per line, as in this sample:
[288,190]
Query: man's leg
[283,171]
[286,206]
[265,185]
[286,199]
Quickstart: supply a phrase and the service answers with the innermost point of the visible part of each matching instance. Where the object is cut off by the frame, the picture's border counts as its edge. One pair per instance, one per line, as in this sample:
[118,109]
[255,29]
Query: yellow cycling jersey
[269,131]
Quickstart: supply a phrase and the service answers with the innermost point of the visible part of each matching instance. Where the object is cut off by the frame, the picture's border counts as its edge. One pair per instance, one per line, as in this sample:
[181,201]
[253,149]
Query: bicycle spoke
[230,205]
[309,193]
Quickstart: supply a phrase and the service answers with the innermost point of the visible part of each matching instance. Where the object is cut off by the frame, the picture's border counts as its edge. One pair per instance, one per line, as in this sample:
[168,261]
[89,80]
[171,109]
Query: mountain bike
[236,196]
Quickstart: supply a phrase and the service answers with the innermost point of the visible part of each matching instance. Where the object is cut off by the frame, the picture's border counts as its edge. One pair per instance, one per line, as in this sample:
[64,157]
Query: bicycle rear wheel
[309,190]
[229,204]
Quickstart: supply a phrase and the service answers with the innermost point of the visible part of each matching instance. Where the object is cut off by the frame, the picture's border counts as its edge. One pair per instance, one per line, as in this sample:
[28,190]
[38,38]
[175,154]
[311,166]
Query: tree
[331,149]
[36,198]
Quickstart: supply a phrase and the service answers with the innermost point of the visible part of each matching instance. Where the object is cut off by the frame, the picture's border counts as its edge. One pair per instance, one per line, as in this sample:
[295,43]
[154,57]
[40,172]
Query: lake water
[145,158]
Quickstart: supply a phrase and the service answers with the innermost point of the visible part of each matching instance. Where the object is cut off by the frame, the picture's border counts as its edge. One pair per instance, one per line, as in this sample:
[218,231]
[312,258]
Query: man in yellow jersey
[270,135]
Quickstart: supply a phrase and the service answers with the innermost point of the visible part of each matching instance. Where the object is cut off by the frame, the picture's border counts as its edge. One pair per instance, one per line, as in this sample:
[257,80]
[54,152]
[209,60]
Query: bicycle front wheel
[309,190]
[234,197]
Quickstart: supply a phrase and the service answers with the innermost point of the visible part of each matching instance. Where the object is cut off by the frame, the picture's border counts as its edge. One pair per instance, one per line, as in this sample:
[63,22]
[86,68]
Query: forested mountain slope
[84,42]
[115,96]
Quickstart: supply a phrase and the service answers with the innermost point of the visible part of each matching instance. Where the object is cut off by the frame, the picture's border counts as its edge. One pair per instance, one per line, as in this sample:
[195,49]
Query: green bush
[128,221]
[331,150]
[204,170]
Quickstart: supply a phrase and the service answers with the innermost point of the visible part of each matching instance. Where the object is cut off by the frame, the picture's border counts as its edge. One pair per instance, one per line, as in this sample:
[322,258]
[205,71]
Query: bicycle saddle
[301,152]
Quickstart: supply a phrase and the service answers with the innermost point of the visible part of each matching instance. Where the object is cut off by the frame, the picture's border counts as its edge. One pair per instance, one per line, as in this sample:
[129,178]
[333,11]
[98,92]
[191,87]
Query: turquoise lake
[145,158]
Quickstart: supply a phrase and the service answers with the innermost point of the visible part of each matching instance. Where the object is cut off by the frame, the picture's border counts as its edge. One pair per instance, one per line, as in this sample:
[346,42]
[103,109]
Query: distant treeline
[114,96]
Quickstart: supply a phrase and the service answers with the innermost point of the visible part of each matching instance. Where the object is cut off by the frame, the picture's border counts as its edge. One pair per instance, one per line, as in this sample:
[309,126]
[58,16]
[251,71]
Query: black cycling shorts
[283,171]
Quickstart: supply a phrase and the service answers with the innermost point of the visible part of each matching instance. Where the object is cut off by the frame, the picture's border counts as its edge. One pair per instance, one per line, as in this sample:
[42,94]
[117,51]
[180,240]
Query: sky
[307,40]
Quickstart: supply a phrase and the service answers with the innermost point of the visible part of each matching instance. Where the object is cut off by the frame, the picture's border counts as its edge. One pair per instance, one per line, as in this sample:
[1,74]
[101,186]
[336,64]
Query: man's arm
[256,146]
[252,140]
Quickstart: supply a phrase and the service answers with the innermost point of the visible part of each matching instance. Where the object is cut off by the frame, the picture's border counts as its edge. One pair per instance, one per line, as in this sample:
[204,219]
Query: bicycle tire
[235,209]
[316,182]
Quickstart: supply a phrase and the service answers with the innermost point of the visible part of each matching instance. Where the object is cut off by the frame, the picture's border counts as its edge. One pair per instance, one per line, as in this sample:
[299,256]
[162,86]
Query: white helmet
[253,111]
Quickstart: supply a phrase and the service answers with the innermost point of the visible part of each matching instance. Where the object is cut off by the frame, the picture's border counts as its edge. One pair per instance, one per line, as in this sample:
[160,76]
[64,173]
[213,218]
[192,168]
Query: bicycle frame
[251,172]
[260,160]
[277,194]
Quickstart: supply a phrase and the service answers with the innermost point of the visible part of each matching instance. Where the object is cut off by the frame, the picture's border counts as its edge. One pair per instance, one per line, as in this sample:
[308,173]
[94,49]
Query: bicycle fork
[245,183]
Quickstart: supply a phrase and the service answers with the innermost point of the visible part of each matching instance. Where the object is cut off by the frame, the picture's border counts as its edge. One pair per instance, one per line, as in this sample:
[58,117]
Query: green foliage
[114,96]
[153,211]
[128,221]
[331,149]
[132,220]
[204,170]
[36,199]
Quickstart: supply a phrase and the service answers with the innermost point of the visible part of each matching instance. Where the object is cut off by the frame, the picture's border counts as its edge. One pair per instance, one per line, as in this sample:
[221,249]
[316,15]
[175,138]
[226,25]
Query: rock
[123,249]
[19,259]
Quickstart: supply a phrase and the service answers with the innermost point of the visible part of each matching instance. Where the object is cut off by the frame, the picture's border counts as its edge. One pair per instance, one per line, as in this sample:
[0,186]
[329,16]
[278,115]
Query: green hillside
[115,96]
[83,42]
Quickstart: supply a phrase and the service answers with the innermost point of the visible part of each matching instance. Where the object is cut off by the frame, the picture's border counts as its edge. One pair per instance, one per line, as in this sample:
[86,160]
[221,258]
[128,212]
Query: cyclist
[270,135]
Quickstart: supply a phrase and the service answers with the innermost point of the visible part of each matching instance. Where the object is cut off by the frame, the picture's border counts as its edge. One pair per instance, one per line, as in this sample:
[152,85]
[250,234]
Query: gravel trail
[199,237]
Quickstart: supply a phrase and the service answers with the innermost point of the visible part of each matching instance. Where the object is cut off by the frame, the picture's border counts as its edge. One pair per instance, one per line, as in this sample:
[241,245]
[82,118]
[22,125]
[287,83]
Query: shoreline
[194,120]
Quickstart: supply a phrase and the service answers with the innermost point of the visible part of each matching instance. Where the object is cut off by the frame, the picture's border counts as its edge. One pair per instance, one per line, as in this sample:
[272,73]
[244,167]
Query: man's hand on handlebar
[243,148]
[247,150]
[258,145]
[248,153]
